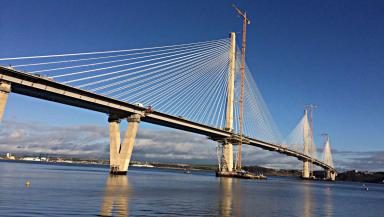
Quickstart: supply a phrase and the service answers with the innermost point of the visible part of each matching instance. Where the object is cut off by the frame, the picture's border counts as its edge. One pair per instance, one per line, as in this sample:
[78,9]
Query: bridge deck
[47,89]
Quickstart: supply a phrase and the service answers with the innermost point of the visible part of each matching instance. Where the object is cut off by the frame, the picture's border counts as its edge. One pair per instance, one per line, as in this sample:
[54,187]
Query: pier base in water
[239,174]
[308,178]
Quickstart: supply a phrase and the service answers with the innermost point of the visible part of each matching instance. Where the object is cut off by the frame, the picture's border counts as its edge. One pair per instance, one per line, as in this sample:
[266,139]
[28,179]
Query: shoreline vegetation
[354,175]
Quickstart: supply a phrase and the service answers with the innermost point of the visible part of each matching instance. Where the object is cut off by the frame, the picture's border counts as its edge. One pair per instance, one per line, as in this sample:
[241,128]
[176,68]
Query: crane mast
[246,21]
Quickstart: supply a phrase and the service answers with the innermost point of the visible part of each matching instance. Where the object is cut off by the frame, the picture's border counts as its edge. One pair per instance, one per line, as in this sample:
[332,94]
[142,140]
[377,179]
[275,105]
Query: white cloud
[153,145]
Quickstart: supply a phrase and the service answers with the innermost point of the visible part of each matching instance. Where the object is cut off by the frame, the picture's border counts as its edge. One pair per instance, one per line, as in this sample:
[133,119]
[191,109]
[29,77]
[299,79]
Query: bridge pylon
[307,143]
[227,147]
[120,152]
[329,174]
[5,89]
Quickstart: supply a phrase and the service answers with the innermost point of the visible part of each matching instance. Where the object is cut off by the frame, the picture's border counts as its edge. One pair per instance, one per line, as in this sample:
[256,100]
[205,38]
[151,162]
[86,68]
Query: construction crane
[246,21]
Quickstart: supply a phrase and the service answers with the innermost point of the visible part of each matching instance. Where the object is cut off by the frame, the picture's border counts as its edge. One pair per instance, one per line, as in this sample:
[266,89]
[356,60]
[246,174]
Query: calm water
[89,191]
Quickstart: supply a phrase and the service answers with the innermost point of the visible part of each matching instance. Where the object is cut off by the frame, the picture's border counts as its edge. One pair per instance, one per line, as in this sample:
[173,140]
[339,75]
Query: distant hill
[357,176]
[271,172]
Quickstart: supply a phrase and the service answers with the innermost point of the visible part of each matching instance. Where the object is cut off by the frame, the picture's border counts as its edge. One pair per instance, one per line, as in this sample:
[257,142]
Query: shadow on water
[116,196]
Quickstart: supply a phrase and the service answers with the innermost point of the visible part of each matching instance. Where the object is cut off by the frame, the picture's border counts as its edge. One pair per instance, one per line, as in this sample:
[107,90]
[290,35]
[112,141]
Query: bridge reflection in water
[229,197]
[116,196]
[232,199]
[328,205]
[232,191]
[310,197]
[307,200]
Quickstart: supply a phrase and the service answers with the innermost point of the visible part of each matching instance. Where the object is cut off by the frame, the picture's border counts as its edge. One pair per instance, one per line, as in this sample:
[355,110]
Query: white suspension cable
[188,50]
[148,84]
[101,52]
[124,70]
[180,81]
[180,65]
[186,90]
[120,55]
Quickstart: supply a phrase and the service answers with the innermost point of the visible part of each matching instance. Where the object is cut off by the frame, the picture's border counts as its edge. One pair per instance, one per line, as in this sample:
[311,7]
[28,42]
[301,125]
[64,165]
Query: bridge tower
[5,89]
[329,174]
[226,160]
[120,152]
[307,143]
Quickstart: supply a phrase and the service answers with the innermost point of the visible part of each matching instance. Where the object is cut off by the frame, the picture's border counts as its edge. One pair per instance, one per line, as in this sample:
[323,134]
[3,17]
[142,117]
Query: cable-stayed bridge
[193,87]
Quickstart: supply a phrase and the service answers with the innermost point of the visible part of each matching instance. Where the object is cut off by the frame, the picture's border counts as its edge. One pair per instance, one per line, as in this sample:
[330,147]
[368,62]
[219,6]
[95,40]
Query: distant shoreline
[349,176]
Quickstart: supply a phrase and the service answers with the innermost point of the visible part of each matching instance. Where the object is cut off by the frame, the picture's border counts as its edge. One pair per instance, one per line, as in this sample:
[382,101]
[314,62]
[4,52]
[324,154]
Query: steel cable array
[295,140]
[186,80]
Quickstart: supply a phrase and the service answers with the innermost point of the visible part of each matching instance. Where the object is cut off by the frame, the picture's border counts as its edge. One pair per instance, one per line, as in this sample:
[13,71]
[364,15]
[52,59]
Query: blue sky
[301,51]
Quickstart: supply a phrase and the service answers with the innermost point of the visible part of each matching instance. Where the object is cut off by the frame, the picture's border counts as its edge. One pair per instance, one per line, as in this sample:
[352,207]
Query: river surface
[63,190]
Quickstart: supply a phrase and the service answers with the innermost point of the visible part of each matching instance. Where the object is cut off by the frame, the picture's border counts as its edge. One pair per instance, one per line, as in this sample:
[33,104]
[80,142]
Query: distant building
[45,159]
[31,159]
[9,156]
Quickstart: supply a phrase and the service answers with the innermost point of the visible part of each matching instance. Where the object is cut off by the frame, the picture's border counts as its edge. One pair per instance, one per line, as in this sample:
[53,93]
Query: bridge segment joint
[5,86]
[134,118]
[233,139]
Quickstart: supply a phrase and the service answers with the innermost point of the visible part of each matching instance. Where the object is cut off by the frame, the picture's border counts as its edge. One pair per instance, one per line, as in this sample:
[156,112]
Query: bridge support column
[120,153]
[227,158]
[306,169]
[227,147]
[114,143]
[330,175]
[5,89]
[333,176]
[307,141]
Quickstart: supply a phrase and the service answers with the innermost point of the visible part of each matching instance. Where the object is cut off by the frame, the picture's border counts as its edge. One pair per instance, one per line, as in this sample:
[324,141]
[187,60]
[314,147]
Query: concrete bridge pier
[307,142]
[227,164]
[306,169]
[330,175]
[5,89]
[227,151]
[120,153]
